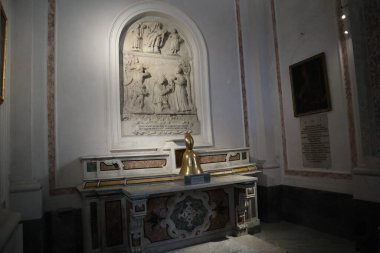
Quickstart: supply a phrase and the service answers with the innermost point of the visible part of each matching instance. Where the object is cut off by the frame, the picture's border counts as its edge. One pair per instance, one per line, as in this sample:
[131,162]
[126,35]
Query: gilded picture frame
[3,42]
[310,88]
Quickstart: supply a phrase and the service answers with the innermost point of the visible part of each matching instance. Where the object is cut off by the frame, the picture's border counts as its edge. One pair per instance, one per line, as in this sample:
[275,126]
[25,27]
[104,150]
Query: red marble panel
[144,164]
[212,158]
[222,208]
[156,213]
[114,223]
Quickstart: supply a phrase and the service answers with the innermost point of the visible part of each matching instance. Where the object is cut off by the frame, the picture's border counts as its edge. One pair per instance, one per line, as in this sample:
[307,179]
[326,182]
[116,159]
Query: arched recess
[119,138]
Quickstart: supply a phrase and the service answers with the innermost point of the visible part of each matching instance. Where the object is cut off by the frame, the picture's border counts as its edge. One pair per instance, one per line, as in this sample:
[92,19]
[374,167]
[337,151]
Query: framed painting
[3,39]
[310,88]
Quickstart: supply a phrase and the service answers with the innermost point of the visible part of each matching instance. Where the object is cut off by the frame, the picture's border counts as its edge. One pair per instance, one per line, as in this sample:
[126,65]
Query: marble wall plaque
[315,141]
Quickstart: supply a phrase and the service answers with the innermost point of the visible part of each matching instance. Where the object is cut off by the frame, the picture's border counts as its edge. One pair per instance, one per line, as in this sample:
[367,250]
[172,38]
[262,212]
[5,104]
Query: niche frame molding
[197,45]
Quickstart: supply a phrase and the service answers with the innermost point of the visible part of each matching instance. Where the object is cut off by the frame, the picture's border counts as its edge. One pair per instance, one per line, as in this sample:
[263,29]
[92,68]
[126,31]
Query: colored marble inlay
[114,223]
[139,208]
[154,226]
[212,158]
[222,209]
[189,214]
[105,167]
[234,157]
[144,164]
[91,167]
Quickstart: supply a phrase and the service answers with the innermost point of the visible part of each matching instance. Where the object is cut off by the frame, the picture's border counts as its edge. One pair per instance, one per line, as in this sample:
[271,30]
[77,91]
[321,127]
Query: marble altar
[139,202]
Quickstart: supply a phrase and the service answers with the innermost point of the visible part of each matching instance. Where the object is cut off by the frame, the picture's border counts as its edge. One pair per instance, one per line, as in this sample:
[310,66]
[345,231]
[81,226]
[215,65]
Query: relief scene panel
[156,89]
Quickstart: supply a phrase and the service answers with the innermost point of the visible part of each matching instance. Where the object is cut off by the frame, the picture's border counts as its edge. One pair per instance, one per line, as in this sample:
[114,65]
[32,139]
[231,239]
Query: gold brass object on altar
[190,160]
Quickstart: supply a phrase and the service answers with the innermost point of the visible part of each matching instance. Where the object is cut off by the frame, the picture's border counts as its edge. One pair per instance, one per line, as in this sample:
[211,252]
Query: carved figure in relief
[175,41]
[156,38]
[136,37]
[162,88]
[137,90]
[180,88]
[186,68]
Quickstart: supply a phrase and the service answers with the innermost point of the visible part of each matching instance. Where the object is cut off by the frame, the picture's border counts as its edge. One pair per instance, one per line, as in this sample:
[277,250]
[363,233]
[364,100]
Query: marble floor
[277,238]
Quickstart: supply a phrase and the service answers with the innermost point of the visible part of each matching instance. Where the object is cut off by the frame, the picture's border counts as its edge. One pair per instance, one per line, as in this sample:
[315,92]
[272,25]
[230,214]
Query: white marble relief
[156,55]
[175,41]
[157,96]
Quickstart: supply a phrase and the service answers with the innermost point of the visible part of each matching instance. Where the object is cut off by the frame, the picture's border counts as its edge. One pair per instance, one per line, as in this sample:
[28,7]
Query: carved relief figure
[156,38]
[186,68]
[137,89]
[175,41]
[180,88]
[136,37]
[161,90]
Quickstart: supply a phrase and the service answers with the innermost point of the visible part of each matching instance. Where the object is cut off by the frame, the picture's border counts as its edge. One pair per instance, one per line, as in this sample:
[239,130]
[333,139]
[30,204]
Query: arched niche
[158,79]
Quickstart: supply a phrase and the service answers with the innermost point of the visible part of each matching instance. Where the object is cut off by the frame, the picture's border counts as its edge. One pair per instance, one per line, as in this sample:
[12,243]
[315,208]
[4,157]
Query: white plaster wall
[21,71]
[261,81]
[28,109]
[262,89]
[82,33]
[306,28]
[217,22]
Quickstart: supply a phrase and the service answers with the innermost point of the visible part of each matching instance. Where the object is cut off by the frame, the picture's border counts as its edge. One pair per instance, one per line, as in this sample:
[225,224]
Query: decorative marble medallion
[189,214]
[186,215]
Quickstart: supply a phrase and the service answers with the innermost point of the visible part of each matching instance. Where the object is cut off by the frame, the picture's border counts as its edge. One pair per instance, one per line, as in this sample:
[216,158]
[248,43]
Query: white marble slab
[144,190]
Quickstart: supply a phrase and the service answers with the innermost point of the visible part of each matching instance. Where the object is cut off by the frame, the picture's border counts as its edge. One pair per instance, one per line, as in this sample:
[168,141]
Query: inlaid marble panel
[144,164]
[154,230]
[186,215]
[222,211]
[212,158]
[114,223]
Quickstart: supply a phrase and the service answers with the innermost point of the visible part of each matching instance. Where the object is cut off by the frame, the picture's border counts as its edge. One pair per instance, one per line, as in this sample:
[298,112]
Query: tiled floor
[277,238]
